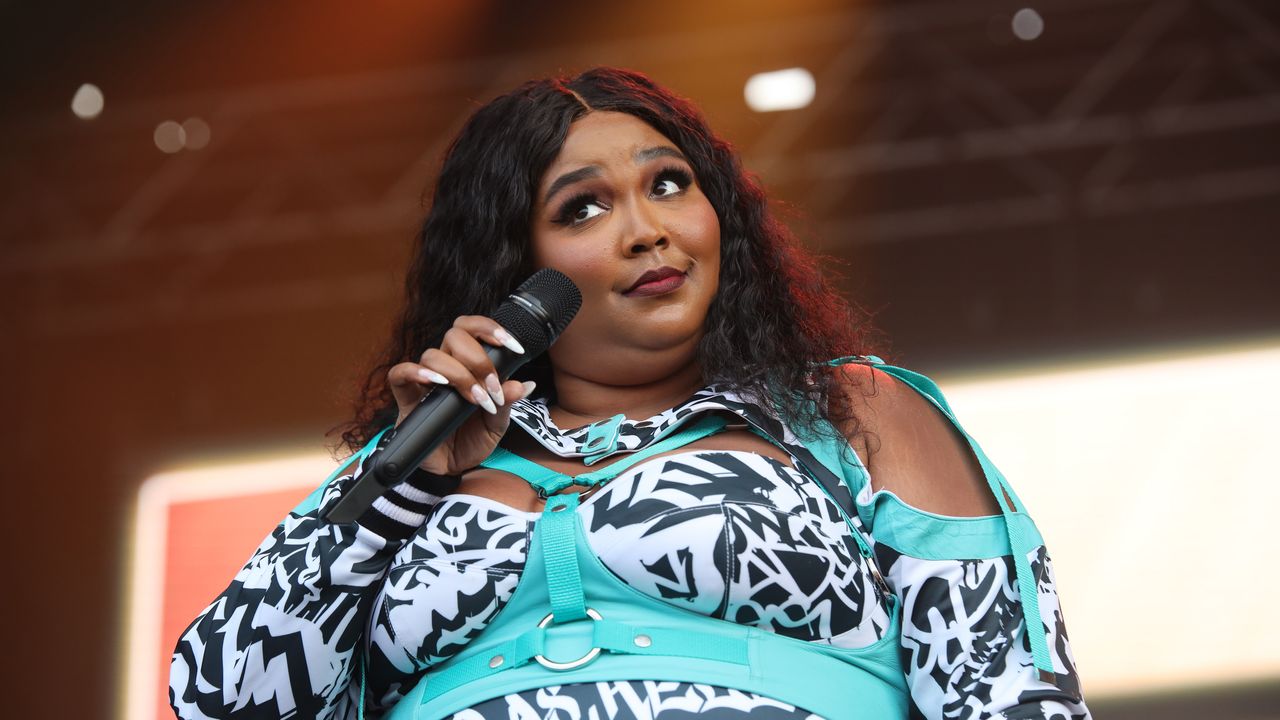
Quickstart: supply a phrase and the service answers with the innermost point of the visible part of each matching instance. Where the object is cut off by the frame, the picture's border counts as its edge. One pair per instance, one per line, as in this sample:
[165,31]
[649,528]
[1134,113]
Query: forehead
[602,138]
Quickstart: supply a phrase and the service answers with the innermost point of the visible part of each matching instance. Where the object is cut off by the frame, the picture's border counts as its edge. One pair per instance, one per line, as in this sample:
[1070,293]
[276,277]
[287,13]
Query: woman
[754,530]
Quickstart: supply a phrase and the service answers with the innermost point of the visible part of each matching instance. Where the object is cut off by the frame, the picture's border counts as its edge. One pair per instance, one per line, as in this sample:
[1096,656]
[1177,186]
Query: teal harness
[570,620]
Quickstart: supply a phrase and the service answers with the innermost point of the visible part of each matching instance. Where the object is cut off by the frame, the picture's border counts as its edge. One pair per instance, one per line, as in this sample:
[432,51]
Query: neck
[580,401]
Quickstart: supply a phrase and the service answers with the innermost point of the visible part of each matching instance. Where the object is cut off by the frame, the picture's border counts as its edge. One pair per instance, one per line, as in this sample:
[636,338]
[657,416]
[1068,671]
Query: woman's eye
[667,187]
[587,211]
[671,182]
[580,209]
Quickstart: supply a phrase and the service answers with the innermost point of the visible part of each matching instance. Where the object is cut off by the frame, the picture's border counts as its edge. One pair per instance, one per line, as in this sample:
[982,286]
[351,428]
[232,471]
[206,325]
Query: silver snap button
[496,661]
[643,641]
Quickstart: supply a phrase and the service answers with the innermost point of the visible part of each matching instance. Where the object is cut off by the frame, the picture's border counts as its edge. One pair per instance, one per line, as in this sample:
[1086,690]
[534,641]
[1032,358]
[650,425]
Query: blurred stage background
[1065,210]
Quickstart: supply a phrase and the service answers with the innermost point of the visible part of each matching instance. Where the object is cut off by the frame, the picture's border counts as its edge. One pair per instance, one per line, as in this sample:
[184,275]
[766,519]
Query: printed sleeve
[282,639]
[965,644]
[983,634]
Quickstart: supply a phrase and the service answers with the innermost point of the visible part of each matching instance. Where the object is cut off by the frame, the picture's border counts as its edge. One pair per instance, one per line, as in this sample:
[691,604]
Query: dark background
[1113,184]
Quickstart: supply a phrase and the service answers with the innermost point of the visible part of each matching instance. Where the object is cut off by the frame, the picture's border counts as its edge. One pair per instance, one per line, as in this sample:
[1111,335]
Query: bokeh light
[780,90]
[196,133]
[170,137]
[1027,24]
[88,102]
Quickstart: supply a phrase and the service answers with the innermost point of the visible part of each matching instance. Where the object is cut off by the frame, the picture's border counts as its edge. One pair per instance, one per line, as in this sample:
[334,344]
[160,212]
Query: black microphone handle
[435,419]
[536,313]
[428,425]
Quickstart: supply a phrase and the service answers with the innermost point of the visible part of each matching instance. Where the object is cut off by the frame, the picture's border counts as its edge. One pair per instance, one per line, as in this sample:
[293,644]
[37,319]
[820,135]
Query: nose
[643,230]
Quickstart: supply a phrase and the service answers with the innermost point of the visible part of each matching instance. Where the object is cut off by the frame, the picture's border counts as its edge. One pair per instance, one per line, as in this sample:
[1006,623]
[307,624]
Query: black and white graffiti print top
[731,534]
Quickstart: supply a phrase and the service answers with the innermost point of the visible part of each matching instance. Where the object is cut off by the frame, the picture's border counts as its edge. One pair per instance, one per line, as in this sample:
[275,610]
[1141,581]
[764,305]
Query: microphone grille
[556,295]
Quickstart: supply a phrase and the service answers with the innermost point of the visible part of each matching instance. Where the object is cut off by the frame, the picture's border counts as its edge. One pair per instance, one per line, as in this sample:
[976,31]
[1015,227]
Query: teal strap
[548,482]
[926,536]
[1021,543]
[558,533]
[614,637]
[602,438]
[363,674]
[709,425]
[637,640]
[1030,599]
[873,359]
[557,529]
[513,654]
[538,476]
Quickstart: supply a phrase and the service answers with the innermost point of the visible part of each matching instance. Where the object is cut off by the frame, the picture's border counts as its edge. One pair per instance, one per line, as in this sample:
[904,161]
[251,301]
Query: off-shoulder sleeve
[965,642]
[967,587]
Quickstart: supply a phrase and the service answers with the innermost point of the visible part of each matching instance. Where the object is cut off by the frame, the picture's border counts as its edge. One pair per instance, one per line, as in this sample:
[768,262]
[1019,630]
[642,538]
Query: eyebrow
[590,171]
[647,154]
[570,178]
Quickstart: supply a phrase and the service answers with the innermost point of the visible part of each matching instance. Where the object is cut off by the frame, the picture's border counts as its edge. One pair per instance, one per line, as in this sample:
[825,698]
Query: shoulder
[910,447]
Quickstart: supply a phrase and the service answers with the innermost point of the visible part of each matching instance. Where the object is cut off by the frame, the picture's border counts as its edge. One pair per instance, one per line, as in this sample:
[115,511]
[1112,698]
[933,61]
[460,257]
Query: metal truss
[1056,129]
[1151,85]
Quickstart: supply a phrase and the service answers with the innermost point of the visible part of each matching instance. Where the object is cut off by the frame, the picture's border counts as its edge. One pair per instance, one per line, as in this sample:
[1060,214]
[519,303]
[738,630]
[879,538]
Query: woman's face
[620,201]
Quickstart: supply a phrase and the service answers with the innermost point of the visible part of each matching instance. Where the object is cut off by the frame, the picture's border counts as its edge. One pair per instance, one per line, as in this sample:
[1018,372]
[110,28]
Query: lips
[653,277]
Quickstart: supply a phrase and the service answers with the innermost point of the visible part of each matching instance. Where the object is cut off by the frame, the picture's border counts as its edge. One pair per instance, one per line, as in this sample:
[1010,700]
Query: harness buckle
[552,664]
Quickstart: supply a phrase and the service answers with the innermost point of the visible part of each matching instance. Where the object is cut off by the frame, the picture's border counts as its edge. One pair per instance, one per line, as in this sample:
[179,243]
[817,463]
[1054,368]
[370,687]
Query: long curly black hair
[774,318]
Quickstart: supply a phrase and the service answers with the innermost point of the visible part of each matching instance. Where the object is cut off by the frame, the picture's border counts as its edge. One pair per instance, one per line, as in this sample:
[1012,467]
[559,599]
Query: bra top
[725,533]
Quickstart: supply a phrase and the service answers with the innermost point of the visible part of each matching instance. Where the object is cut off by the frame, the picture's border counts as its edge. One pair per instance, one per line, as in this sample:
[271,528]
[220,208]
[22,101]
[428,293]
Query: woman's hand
[461,363]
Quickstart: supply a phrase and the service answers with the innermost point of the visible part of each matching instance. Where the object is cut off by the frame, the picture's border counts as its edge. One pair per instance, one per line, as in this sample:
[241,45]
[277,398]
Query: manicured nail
[529,385]
[495,389]
[433,376]
[508,342]
[483,400]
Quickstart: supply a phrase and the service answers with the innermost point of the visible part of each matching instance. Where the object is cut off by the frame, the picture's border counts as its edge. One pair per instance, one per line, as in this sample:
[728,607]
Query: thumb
[513,390]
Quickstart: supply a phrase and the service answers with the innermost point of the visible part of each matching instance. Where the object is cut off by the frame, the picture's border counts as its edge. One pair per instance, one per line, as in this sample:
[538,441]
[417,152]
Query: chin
[666,338]
[665,327]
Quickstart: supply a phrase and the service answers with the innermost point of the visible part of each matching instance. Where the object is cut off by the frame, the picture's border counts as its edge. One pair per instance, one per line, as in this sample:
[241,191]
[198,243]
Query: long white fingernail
[495,389]
[508,342]
[529,386]
[433,376]
[483,400]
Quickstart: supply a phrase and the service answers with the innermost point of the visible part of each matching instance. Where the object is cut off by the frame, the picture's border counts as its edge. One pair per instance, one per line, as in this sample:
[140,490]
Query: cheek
[583,262]
[703,229]
[702,233]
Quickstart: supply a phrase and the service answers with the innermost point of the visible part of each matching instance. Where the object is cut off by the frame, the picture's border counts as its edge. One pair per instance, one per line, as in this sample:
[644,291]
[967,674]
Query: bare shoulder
[911,448]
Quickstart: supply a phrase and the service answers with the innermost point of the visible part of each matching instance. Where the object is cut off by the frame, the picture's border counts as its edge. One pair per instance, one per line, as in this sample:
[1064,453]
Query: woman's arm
[940,542]
[282,639]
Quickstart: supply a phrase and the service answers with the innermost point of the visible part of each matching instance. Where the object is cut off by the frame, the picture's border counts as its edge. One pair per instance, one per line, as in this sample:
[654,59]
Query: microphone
[535,314]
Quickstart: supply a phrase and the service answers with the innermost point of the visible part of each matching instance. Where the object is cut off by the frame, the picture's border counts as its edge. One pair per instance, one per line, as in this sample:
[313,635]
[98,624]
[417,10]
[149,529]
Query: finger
[496,424]
[466,349]
[409,382]
[461,377]
[516,390]
[488,330]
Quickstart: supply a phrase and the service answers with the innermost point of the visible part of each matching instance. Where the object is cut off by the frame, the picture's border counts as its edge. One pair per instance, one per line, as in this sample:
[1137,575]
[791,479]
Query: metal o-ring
[552,664]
